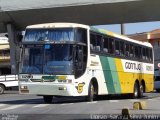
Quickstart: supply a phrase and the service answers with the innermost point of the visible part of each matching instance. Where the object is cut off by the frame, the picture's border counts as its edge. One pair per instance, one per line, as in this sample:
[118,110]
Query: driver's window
[79,57]
[80,60]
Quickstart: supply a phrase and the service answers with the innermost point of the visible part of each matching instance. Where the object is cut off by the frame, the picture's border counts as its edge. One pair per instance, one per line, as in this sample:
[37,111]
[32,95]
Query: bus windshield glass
[47,59]
[58,34]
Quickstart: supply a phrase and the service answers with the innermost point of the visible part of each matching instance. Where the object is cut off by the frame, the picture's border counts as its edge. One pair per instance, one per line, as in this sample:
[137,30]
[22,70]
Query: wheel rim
[92,91]
[141,90]
[1,90]
[135,91]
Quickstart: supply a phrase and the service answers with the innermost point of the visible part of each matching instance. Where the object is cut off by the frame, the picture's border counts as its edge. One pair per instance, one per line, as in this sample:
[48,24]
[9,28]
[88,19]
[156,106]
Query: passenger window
[136,52]
[111,46]
[122,48]
[96,41]
[127,50]
[143,54]
[147,54]
[150,55]
[105,45]
[117,48]
[93,42]
[131,50]
[140,52]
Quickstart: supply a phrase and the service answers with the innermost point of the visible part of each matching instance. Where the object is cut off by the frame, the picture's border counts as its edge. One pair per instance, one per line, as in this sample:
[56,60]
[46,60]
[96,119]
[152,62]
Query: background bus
[5,66]
[67,59]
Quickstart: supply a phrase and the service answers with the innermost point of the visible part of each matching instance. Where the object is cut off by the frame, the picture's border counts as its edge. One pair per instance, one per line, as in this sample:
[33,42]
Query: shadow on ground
[61,100]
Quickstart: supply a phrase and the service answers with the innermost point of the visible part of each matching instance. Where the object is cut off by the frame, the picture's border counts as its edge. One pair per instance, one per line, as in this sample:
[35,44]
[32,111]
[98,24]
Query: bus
[5,67]
[70,59]
[7,80]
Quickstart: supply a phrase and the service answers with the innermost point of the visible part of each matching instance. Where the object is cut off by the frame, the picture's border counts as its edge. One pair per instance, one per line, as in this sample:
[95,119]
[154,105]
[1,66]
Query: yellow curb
[139,105]
[126,113]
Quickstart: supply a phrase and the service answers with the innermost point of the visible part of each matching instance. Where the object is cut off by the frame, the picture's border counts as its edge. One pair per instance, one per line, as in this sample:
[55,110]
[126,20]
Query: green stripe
[110,74]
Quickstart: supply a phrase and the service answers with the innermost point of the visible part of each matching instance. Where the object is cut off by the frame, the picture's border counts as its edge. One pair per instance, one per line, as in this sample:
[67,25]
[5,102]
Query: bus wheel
[141,90]
[47,99]
[135,92]
[2,88]
[92,92]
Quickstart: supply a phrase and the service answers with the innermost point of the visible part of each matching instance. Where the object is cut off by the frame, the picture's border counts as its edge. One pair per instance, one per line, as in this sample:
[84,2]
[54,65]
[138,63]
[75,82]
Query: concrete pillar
[122,29]
[12,42]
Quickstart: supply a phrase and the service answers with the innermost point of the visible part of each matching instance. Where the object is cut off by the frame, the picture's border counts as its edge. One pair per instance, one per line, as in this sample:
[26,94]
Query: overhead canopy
[91,12]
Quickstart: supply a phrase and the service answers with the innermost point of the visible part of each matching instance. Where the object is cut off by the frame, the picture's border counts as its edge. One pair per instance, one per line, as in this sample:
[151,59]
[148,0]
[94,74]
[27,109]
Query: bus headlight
[62,88]
[23,87]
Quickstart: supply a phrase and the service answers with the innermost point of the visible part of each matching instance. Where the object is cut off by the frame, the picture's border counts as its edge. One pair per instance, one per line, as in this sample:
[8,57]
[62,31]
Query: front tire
[2,88]
[92,92]
[48,99]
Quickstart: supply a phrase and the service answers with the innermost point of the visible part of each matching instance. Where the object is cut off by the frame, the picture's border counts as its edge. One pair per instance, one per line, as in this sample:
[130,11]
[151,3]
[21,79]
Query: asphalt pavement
[23,107]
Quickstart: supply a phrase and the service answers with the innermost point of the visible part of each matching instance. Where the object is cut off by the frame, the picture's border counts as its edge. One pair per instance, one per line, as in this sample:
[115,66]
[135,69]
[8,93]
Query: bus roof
[59,25]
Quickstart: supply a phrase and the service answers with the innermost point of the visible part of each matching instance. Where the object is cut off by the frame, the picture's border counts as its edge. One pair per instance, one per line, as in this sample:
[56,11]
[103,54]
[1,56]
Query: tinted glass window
[64,34]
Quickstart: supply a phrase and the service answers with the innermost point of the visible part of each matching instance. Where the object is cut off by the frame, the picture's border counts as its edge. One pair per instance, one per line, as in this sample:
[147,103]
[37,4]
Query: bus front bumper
[47,89]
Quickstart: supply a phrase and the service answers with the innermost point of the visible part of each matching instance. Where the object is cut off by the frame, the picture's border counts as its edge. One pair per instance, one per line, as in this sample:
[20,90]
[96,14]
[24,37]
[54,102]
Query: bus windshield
[58,34]
[47,59]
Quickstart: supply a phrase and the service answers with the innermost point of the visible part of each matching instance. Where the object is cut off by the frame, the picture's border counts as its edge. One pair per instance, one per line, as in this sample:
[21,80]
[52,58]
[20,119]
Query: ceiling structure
[21,13]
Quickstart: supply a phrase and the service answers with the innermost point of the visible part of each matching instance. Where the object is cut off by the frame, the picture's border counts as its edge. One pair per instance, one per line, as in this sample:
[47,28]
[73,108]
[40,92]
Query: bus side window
[143,54]
[111,46]
[127,50]
[95,42]
[91,46]
[92,42]
[122,48]
[140,52]
[105,45]
[98,43]
[150,55]
[136,52]
[117,49]
[147,54]
[131,50]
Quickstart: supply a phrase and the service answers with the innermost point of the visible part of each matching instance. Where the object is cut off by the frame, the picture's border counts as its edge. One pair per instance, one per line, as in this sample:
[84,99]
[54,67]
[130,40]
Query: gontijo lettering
[133,66]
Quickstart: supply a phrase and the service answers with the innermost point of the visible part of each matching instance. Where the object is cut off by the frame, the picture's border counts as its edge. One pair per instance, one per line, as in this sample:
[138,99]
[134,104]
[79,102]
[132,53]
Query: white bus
[7,80]
[68,59]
